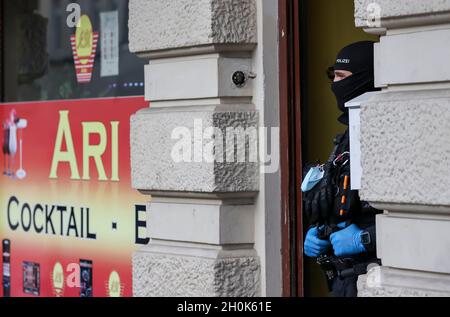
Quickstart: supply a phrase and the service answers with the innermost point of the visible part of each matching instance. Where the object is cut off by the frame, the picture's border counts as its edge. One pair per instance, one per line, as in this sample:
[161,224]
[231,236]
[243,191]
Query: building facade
[217,228]
[407,126]
[237,101]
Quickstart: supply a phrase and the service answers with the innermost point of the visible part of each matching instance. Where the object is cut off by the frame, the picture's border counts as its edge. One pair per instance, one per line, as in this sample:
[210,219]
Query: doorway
[311,34]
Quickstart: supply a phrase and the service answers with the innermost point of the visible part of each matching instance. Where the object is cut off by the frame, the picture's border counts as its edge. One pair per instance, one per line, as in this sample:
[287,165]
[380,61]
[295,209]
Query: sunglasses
[330,73]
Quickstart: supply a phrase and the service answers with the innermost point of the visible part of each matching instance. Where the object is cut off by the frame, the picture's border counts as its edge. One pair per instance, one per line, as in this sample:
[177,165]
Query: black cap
[357,57]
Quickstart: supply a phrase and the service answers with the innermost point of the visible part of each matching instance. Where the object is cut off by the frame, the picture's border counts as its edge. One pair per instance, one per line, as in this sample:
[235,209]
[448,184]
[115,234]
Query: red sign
[69,219]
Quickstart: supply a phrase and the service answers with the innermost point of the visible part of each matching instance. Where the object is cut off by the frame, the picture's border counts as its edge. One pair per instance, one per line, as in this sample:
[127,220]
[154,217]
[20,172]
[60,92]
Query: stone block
[390,9]
[204,165]
[212,222]
[414,243]
[405,148]
[161,25]
[413,58]
[197,77]
[388,282]
[223,275]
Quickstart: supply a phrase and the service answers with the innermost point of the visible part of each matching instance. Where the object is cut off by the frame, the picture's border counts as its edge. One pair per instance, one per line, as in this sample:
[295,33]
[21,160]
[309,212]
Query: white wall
[266,100]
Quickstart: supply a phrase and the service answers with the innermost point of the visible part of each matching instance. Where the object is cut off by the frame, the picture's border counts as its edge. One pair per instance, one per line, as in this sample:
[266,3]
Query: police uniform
[331,202]
[363,215]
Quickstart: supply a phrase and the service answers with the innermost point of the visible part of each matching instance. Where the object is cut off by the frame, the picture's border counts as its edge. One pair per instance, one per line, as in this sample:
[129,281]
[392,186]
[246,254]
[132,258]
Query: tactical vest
[347,203]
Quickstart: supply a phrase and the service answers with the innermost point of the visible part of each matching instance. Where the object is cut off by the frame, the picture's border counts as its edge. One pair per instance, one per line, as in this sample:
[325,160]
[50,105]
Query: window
[39,62]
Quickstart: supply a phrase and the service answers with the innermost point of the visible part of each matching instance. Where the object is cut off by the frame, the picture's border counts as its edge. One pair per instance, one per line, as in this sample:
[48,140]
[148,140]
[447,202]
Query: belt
[343,268]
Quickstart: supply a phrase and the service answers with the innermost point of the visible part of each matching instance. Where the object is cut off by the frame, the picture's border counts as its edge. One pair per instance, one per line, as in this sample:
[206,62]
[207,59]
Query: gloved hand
[347,242]
[314,247]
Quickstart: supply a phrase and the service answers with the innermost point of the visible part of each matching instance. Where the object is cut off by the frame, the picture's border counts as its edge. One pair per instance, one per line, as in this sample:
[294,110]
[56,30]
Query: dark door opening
[311,33]
[291,146]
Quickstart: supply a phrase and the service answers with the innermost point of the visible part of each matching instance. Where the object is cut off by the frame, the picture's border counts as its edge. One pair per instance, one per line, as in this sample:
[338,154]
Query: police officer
[342,233]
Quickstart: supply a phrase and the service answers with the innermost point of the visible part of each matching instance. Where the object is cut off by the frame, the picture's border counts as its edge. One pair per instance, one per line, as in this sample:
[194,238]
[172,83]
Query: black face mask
[357,58]
[352,87]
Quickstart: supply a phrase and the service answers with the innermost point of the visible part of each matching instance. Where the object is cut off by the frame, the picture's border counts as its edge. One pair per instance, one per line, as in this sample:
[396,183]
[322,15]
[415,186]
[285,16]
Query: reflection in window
[39,60]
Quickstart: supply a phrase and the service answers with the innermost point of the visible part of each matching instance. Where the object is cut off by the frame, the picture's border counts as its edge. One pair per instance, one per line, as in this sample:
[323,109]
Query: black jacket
[361,213]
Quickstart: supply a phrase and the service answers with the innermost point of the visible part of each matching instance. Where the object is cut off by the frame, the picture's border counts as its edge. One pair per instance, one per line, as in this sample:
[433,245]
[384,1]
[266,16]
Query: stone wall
[206,219]
[405,150]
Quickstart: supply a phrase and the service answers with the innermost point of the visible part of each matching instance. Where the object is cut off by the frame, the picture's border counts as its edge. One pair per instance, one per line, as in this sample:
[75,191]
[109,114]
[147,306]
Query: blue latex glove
[314,247]
[347,242]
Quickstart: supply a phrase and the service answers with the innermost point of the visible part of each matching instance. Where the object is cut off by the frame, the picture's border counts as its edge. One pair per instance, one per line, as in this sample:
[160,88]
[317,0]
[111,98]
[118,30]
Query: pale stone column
[406,146]
[201,215]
